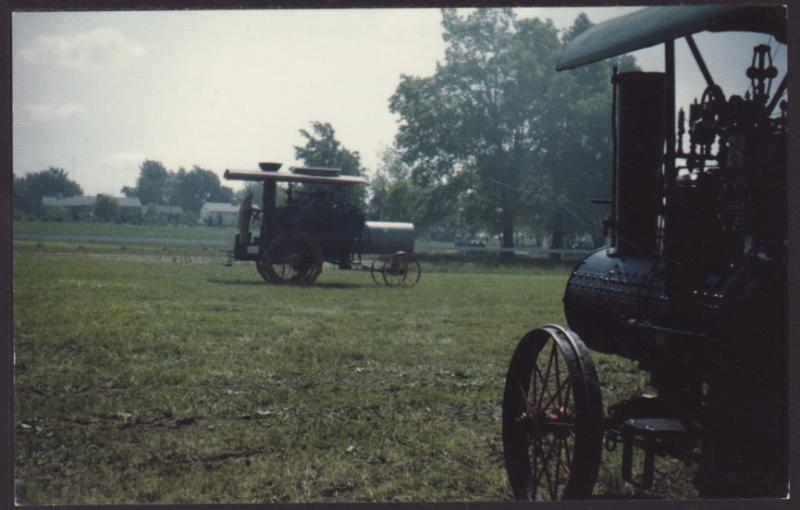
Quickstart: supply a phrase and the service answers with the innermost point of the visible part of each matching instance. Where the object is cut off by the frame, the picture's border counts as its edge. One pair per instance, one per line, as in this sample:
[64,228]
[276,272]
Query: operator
[246,211]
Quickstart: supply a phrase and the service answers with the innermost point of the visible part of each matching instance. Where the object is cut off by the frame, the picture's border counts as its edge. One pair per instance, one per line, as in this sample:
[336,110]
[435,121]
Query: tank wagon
[317,224]
[692,287]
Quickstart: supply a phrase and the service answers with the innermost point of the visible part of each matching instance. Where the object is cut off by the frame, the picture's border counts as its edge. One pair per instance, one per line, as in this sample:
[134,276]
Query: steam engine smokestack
[640,136]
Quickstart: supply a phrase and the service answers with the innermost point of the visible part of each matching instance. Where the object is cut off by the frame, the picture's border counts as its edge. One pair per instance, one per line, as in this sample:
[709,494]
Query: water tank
[386,237]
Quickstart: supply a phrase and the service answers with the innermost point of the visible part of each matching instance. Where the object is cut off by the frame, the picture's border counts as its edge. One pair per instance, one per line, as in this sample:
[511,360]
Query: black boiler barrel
[640,134]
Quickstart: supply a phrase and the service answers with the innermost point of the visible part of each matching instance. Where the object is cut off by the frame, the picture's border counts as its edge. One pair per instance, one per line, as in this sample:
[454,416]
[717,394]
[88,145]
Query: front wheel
[552,417]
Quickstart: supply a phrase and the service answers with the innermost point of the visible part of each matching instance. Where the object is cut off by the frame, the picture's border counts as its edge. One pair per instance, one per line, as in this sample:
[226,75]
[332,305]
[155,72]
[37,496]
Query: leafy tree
[128,191]
[192,189]
[151,216]
[152,184]
[577,165]
[390,180]
[29,190]
[158,186]
[497,131]
[106,208]
[480,112]
[323,149]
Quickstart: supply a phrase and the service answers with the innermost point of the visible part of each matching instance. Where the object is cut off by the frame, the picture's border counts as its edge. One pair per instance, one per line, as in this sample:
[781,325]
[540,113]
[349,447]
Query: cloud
[100,47]
[51,112]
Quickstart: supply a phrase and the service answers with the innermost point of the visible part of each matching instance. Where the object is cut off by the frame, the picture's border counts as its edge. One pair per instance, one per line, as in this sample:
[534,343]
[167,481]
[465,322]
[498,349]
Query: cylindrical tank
[387,237]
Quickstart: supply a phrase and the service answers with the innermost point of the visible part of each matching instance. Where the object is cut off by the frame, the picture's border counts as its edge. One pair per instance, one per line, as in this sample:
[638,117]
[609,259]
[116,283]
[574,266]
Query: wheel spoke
[557,394]
[545,461]
[557,470]
[546,376]
[568,452]
[545,389]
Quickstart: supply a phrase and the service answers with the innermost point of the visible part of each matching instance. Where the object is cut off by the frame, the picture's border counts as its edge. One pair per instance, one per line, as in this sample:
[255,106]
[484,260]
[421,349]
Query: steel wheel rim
[401,270]
[552,431]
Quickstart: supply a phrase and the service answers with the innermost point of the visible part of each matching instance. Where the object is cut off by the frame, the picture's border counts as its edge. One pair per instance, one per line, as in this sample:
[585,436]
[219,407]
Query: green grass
[147,375]
[52,228]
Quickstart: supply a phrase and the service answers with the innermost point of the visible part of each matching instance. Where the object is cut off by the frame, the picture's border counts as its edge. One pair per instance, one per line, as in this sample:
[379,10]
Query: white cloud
[51,112]
[96,48]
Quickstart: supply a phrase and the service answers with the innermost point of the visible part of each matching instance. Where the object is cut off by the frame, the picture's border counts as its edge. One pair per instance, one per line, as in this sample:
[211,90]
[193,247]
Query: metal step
[649,434]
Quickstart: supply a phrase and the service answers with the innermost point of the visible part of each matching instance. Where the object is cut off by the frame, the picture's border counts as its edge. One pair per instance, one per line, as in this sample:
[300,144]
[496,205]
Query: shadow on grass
[235,282]
[321,285]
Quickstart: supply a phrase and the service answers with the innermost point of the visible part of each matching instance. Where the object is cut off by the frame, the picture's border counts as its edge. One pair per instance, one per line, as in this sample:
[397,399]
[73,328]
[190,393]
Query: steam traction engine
[693,286]
[316,224]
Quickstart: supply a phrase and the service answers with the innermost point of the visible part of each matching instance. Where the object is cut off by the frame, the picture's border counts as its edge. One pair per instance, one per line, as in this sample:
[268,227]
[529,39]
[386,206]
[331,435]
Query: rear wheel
[552,417]
[292,257]
[401,270]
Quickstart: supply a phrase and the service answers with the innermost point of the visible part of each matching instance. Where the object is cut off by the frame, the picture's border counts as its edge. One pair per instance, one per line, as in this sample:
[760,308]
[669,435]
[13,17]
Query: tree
[497,126]
[192,189]
[577,164]
[385,185]
[106,208]
[158,186]
[323,149]
[152,184]
[29,190]
[480,112]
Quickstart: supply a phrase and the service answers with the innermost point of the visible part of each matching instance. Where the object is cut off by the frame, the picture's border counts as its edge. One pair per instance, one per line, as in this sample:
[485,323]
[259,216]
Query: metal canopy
[655,25]
[254,175]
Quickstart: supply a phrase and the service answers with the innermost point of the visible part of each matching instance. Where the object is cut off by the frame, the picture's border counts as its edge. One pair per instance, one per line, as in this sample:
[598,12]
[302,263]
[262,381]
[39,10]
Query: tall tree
[480,112]
[29,190]
[577,164]
[524,141]
[323,149]
[192,189]
[152,184]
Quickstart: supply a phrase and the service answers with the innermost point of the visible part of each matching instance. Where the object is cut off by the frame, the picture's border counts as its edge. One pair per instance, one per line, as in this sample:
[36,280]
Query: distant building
[77,207]
[219,213]
[83,206]
[169,212]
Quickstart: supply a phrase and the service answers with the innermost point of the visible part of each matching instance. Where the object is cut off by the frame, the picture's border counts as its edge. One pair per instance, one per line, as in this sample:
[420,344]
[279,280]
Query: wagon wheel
[552,417]
[375,268]
[292,257]
[401,270]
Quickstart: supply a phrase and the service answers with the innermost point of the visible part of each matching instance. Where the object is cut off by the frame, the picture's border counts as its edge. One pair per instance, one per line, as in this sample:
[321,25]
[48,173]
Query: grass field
[52,228]
[147,374]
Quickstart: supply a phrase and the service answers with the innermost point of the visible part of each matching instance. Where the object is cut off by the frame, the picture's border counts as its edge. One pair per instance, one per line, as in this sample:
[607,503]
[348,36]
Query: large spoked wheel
[292,257]
[552,417]
[401,270]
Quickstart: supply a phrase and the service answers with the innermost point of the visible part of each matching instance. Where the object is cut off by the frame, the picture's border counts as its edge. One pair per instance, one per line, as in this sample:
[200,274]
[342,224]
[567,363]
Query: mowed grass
[151,377]
[181,232]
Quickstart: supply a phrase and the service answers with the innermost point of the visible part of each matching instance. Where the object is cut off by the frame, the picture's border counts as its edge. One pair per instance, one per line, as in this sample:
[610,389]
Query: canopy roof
[655,25]
[254,175]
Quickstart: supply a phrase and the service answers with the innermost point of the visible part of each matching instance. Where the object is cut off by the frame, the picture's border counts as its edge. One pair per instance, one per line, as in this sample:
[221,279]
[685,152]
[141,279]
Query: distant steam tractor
[693,286]
[315,225]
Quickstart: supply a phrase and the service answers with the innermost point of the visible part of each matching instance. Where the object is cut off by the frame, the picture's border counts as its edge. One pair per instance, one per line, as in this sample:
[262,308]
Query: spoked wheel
[292,257]
[401,270]
[552,417]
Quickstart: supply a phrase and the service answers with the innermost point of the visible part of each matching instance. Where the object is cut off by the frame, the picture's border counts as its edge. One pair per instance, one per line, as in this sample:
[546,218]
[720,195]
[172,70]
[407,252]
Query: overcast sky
[97,93]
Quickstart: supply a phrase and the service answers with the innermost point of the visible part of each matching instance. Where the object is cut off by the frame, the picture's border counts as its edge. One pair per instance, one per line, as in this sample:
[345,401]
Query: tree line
[494,142]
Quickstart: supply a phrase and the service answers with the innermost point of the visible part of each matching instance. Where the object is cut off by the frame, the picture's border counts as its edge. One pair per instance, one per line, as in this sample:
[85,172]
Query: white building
[219,213]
